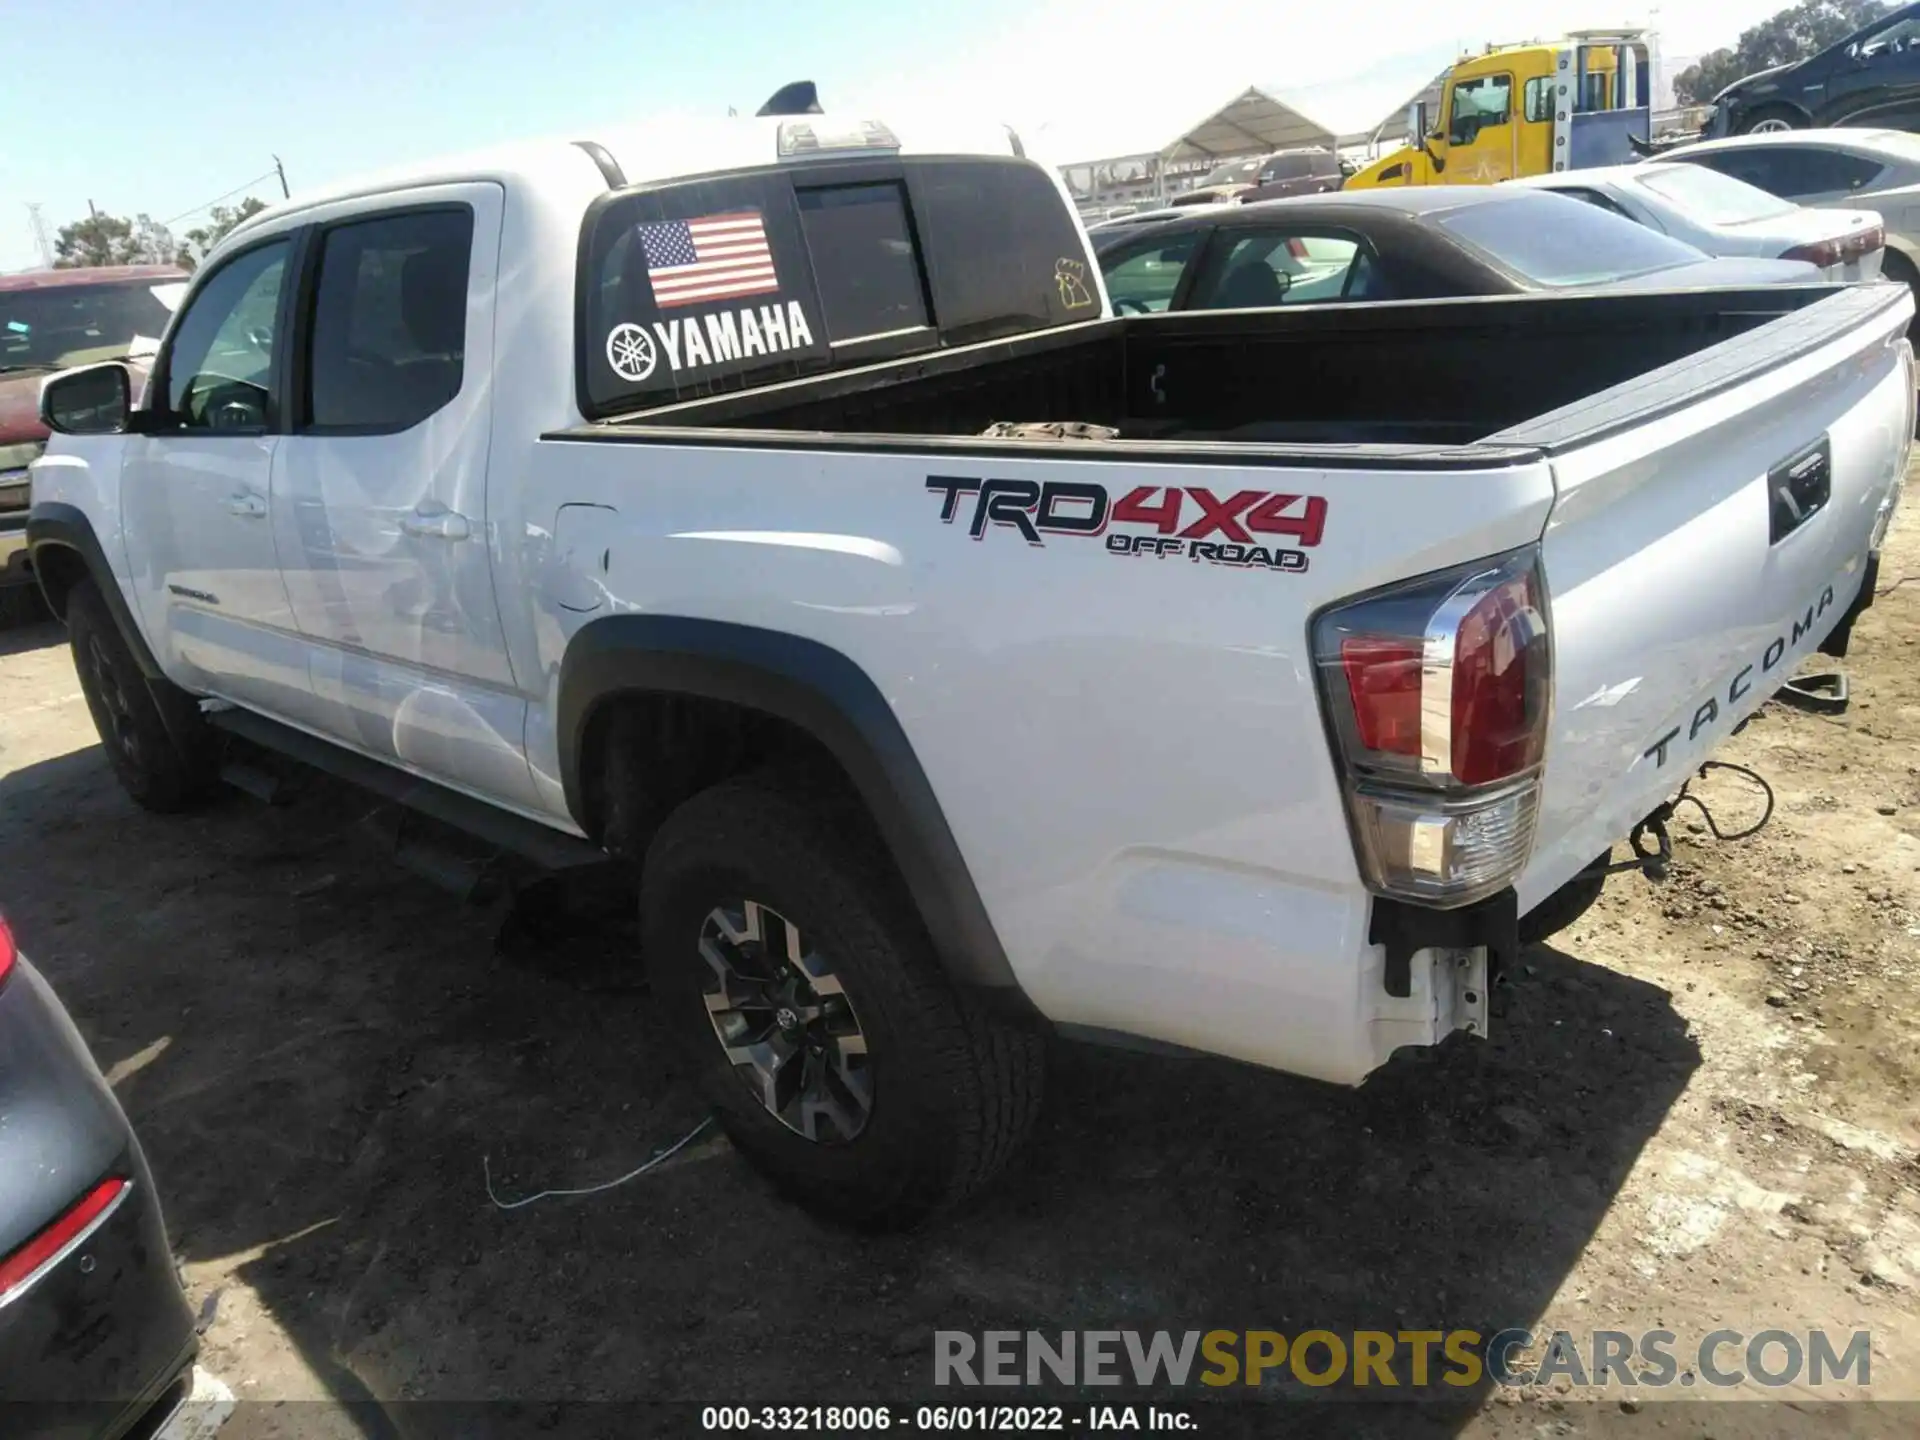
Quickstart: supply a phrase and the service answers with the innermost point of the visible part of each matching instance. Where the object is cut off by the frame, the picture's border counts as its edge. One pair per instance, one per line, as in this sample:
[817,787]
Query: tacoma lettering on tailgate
[1246,529]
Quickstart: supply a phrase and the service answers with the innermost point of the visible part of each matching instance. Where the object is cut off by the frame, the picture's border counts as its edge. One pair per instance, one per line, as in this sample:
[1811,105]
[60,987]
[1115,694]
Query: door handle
[436,525]
[247,505]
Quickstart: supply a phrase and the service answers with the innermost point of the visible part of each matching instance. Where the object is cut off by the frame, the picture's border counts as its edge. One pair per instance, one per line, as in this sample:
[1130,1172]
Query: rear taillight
[1438,693]
[8,951]
[1296,247]
[1841,250]
[24,1266]
[1822,253]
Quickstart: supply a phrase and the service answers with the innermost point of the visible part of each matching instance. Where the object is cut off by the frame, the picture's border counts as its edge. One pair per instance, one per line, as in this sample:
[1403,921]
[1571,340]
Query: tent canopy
[1253,122]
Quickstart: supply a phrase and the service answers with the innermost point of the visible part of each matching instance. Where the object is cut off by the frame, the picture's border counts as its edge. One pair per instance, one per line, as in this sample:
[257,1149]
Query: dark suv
[1305,171]
[1870,78]
[1311,170]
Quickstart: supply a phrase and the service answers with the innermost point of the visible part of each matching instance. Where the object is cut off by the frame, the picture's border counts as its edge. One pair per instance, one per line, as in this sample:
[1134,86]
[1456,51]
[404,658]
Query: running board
[548,848]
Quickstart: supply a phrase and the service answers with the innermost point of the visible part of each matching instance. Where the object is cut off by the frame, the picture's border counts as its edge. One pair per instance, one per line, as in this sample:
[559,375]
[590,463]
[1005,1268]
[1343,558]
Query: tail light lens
[1841,250]
[1438,695]
[8,951]
[1822,253]
[52,1245]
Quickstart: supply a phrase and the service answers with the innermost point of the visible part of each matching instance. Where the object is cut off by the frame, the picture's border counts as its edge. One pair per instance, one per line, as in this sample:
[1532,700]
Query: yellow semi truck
[1526,110]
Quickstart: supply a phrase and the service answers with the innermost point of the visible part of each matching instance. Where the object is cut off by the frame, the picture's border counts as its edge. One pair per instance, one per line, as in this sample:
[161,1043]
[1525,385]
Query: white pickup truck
[781,510]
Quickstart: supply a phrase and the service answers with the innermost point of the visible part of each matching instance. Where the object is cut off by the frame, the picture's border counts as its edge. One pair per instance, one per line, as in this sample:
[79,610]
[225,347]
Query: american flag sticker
[716,257]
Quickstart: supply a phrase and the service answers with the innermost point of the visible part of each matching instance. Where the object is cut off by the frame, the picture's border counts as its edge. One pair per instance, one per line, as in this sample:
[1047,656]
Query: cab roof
[652,152]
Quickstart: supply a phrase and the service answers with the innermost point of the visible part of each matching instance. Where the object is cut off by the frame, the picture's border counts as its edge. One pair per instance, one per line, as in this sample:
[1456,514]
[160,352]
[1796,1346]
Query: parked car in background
[1304,170]
[49,320]
[1879,169]
[1425,242]
[1872,77]
[1720,215]
[95,1332]
[1309,170]
[1225,182]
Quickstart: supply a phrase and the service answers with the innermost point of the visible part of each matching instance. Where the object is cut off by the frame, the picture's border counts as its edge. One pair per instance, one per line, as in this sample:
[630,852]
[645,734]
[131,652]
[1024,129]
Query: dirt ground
[1696,1111]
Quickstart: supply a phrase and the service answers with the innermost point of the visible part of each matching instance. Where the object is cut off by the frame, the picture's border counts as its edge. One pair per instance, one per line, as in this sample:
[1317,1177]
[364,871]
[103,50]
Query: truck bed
[1424,374]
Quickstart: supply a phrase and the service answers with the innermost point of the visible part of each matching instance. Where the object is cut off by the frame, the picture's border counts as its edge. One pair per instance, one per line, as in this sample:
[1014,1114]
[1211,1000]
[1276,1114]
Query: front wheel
[802,990]
[163,768]
[1772,119]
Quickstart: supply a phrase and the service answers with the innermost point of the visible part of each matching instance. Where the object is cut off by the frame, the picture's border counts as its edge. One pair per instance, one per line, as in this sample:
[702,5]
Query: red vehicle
[49,320]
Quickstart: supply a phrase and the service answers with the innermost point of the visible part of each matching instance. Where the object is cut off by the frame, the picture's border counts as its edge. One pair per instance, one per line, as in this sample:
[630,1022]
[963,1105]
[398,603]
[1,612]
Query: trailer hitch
[1653,847]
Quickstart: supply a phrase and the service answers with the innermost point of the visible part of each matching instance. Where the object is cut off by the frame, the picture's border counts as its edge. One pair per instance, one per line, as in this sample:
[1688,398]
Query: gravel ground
[1697,1111]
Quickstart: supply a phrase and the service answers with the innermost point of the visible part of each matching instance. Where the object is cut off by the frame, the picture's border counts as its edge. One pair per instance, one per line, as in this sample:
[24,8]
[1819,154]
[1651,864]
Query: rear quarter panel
[1128,749]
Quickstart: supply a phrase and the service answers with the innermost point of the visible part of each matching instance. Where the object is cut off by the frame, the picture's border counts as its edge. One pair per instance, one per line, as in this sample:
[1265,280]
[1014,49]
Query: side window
[1264,269]
[1822,172]
[1144,277]
[221,368]
[1537,99]
[1478,103]
[864,260]
[388,339]
[1793,171]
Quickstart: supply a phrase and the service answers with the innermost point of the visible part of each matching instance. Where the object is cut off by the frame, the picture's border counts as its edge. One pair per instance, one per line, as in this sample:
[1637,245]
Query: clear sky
[162,107]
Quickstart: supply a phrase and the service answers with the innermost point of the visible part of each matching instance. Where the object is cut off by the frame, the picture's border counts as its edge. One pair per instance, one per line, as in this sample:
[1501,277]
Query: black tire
[951,1090]
[150,762]
[1895,266]
[1563,906]
[1772,117]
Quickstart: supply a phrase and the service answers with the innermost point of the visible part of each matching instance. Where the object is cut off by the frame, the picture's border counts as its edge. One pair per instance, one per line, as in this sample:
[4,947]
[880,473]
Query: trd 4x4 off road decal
[1244,528]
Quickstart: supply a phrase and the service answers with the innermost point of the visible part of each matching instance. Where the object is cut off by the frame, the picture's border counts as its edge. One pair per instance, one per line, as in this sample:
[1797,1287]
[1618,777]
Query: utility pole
[39,226]
[92,213]
[281,171]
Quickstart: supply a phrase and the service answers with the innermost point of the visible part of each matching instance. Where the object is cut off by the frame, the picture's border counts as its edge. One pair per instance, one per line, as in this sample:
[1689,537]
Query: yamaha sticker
[1248,529]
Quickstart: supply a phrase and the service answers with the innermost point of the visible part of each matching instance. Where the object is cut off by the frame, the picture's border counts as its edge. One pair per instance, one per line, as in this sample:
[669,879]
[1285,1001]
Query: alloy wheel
[785,1022]
[113,697]
[1768,127]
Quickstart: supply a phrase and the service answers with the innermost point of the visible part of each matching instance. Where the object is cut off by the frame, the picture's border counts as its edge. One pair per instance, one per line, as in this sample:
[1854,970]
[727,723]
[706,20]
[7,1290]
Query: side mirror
[92,400]
[1416,120]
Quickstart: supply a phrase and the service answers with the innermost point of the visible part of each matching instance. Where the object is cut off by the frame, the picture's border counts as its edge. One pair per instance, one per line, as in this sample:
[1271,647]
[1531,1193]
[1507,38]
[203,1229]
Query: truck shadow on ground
[318,1050]
[35,630]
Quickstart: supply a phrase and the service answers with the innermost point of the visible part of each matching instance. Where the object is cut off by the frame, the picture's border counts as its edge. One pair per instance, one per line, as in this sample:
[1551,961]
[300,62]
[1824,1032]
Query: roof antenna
[797,98]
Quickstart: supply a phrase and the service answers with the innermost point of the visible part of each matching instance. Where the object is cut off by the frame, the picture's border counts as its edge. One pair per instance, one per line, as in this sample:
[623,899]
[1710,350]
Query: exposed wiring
[1653,863]
[1765,815]
[685,1140]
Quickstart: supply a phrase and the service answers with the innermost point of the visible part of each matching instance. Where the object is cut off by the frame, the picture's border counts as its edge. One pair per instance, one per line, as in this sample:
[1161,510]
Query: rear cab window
[702,287]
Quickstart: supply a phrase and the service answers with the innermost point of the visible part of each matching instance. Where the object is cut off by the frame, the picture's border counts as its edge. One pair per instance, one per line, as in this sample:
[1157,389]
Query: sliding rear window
[709,286]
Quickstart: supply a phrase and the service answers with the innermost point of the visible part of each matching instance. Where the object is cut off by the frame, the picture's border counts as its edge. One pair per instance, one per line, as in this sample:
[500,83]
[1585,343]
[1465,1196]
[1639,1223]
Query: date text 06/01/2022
[877,1419]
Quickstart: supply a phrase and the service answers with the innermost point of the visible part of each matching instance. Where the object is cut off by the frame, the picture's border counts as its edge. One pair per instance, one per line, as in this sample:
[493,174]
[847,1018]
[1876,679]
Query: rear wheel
[1896,266]
[162,768]
[1771,119]
[802,990]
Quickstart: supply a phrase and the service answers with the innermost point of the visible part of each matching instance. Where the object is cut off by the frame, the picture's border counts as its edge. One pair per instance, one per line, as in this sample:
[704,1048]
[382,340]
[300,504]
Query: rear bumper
[90,1346]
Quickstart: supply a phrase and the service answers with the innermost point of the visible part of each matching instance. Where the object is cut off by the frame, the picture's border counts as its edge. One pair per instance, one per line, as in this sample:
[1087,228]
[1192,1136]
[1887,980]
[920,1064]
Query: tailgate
[1711,527]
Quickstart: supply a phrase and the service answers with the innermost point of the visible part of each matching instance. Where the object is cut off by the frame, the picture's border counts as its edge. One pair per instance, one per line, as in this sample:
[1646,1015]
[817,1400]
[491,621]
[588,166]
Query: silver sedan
[1874,169]
[1724,216]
